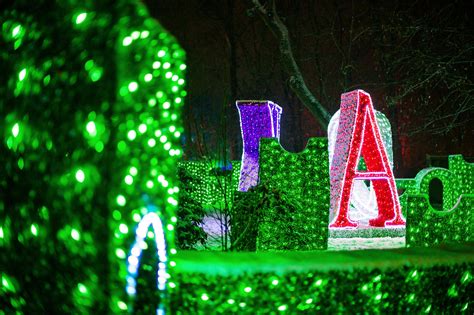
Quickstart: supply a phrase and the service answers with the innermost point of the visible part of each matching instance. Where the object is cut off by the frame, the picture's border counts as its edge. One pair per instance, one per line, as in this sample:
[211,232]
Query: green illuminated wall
[427,226]
[304,178]
[286,172]
[90,98]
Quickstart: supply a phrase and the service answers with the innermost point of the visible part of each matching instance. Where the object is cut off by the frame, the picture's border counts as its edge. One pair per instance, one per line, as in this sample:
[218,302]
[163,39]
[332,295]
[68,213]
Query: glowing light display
[290,282]
[363,203]
[258,119]
[303,180]
[359,135]
[452,221]
[205,186]
[112,98]
[133,260]
[147,139]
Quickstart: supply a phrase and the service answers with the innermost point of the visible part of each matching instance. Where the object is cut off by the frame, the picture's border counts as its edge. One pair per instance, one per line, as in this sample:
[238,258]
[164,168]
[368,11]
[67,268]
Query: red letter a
[358,133]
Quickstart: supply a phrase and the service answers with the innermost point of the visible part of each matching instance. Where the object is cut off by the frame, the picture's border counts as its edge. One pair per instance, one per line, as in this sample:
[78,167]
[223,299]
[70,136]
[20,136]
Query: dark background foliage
[414,57]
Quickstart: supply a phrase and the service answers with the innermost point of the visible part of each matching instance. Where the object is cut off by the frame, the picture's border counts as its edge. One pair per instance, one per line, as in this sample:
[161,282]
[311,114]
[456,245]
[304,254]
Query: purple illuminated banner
[258,119]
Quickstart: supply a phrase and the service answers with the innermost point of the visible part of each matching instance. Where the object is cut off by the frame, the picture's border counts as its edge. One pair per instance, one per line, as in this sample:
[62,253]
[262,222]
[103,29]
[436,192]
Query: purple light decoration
[258,119]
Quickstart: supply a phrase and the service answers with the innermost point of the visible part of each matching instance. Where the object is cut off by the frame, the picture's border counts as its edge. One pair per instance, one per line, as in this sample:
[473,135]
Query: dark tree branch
[296,81]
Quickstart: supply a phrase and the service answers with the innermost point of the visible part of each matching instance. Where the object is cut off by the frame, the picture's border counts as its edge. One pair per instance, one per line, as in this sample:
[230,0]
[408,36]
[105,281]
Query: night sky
[414,58]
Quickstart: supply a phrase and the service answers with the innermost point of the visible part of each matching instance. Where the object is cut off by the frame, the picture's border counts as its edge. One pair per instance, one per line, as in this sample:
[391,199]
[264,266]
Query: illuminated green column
[150,94]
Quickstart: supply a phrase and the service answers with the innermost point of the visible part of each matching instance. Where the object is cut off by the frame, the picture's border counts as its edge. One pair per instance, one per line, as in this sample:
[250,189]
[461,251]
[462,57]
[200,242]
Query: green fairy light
[34,229]
[120,253]
[99,146]
[142,128]
[132,86]
[127,41]
[123,228]
[82,288]
[148,77]
[16,31]
[466,278]
[282,308]
[121,201]
[80,176]
[91,128]
[21,163]
[133,171]
[161,53]
[137,217]
[151,143]
[132,135]
[117,215]
[95,74]
[22,74]
[151,102]
[121,305]
[81,17]
[128,180]
[89,65]
[75,235]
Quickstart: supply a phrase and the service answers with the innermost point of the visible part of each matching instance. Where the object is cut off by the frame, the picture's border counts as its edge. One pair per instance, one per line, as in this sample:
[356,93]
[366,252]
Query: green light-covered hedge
[414,280]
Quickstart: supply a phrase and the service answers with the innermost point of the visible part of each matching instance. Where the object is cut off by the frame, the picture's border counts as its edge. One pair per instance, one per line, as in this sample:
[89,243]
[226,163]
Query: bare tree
[296,81]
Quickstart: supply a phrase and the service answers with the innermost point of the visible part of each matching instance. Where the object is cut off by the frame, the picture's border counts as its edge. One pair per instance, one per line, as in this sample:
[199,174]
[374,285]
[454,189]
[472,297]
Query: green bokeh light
[81,17]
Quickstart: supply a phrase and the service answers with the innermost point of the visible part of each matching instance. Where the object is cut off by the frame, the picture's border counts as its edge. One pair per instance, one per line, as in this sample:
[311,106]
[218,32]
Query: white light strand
[134,258]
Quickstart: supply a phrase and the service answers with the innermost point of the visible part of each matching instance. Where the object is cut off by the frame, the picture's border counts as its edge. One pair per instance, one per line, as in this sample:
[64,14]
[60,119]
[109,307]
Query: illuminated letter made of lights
[358,134]
[363,203]
[134,258]
[258,119]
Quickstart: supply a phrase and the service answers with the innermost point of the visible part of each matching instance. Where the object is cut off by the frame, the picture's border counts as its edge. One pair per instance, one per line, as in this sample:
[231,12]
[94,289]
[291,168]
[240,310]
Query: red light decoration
[358,133]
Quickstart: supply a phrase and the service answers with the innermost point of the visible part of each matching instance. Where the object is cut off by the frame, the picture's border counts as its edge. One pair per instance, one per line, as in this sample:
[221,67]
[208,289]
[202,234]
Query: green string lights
[303,177]
[409,280]
[150,95]
[427,226]
[90,100]
[207,185]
